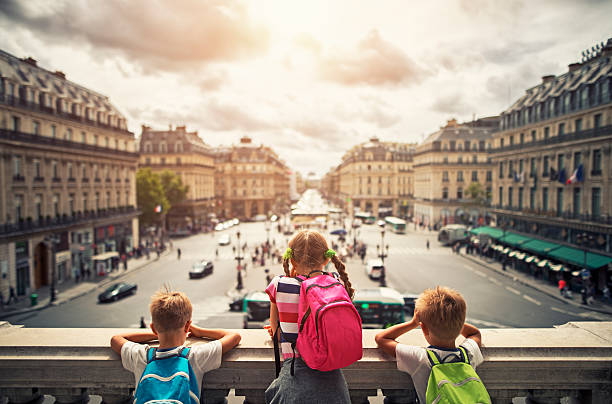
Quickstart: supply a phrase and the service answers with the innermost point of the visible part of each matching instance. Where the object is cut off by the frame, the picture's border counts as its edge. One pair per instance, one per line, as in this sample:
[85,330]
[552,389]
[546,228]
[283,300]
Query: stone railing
[569,364]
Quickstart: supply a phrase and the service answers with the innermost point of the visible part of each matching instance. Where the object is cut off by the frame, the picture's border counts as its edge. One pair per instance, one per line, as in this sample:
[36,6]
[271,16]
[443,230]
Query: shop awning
[514,239]
[542,263]
[531,259]
[494,232]
[556,268]
[506,250]
[105,256]
[513,254]
[539,246]
[576,257]
[520,256]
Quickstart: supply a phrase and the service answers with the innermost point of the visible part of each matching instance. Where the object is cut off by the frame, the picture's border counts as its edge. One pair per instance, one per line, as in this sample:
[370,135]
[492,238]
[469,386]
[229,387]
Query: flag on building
[577,176]
[158,209]
[562,176]
[553,175]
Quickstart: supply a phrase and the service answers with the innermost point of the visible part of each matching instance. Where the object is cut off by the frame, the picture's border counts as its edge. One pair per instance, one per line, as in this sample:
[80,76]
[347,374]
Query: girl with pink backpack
[315,323]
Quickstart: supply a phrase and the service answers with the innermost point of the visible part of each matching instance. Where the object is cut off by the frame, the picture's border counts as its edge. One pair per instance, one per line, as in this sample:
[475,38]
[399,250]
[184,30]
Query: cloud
[454,103]
[213,81]
[373,62]
[166,34]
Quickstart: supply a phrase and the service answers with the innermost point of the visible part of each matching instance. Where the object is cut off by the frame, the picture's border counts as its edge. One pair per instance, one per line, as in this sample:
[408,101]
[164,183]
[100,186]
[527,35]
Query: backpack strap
[433,358]
[276,350]
[151,354]
[465,358]
[184,352]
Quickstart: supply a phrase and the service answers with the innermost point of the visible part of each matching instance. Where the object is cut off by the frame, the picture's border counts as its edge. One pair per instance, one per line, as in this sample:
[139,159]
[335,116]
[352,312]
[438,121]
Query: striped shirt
[285,293]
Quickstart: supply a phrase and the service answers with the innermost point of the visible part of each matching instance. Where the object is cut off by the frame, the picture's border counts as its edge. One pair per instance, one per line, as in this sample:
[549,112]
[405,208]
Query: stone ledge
[571,360]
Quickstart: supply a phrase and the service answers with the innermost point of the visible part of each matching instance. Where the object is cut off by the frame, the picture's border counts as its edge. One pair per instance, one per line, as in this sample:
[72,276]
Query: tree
[173,187]
[476,192]
[150,194]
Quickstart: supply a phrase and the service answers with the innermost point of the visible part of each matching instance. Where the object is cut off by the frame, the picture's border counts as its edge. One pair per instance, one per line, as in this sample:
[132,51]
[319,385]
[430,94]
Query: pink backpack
[330,328]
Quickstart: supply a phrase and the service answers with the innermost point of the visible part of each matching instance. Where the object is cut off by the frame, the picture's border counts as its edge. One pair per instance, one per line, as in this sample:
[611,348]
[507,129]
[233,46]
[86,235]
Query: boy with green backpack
[442,372]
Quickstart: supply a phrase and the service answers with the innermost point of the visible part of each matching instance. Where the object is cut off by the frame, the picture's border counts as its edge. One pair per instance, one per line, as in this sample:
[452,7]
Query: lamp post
[53,240]
[584,240]
[383,252]
[267,224]
[239,267]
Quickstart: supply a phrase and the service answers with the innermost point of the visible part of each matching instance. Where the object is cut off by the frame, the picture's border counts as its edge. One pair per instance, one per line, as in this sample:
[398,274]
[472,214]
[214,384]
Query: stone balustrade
[569,364]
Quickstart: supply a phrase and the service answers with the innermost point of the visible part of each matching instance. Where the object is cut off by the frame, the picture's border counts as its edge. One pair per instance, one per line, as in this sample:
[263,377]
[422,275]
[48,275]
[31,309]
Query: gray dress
[307,386]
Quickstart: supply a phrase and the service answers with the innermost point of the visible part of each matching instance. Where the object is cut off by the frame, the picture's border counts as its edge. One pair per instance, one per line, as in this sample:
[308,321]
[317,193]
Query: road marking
[532,300]
[480,274]
[511,289]
[495,281]
[486,323]
[560,310]
[469,268]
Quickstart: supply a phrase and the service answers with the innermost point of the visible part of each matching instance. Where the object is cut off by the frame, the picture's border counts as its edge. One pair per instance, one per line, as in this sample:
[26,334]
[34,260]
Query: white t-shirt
[414,361]
[202,357]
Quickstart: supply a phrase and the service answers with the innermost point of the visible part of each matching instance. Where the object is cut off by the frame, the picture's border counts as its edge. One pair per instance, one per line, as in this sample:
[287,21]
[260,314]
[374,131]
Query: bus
[379,307]
[452,233]
[365,217]
[397,225]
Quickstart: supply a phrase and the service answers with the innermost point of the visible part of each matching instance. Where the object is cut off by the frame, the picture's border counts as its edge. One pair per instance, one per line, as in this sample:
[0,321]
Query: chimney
[450,123]
[245,140]
[548,79]
[60,74]
[145,128]
[573,67]
[374,140]
[30,61]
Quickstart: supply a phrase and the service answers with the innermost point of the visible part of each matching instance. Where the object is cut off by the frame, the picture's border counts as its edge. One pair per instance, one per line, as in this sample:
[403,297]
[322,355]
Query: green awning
[494,232]
[514,239]
[576,257]
[556,268]
[542,264]
[539,246]
[531,259]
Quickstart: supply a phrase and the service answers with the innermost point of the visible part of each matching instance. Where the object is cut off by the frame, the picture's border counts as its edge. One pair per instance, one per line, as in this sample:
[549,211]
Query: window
[596,202]
[84,201]
[475,159]
[69,167]
[576,201]
[445,176]
[467,145]
[501,169]
[452,145]
[83,170]
[475,176]
[578,125]
[18,205]
[545,199]
[163,148]
[520,198]
[36,168]
[510,169]
[559,201]
[178,147]
[162,160]
[17,170]
[56,202]
[71,204]
[148,160]
[36,128]
[444,193]
[522,138]
[108,201]
[532,192]
[521,166]
[560,162]
[501,196]
[533,135]
[38,206]
[95,172]
[54,169]
[460,160]
[545,167]
[95,140]
[597,121]
[532,167]
[106,142]
[596,162]
[481,145]
[16,123]
[511,140]
[97,201]
[577,159]
[459,193]
[489,175]
[546,132]
[460,176]
[510,191]
[118,200]
[445,159]
[561,129]
[501,142]
[69,134]
[83,137]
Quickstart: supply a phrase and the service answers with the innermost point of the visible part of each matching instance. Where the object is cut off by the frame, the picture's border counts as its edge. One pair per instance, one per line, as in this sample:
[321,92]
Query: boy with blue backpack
[172,371]
[442,372]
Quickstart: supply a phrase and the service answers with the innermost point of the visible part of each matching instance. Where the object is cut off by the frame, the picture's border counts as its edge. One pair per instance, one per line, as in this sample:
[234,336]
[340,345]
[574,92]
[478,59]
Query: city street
[493,300]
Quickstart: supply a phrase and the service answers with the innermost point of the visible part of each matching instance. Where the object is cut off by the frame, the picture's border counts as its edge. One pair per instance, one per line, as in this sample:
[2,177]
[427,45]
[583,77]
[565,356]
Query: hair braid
[343,275]
[286,266]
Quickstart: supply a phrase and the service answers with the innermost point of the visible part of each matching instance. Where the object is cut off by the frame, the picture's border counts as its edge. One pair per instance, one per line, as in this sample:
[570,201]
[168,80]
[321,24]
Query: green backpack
[454,382]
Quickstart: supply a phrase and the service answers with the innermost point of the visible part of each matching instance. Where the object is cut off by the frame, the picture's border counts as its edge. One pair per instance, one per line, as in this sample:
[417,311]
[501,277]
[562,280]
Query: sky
[311,78]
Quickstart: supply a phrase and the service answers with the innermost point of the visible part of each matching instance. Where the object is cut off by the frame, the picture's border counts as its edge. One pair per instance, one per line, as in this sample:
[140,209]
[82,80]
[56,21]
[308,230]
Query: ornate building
[184,153]
[445,165]
[552,157]
[67,172]
[373,177]
[250,180]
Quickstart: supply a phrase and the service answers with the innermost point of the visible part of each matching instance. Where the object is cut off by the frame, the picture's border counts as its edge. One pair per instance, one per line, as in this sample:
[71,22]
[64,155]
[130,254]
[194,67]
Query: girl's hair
[309,249]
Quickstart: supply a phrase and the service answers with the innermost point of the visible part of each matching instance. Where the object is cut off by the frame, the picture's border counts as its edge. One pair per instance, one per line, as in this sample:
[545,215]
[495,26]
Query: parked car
[357,223]
[256,310]
[224,239]
[200,269]
[374,268]
[338,232]
[260,218]
[117,291]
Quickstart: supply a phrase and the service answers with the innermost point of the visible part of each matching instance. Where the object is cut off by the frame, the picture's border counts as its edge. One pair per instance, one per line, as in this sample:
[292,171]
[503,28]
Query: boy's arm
[470,331]
[228,339]
[386,338]
[117,341]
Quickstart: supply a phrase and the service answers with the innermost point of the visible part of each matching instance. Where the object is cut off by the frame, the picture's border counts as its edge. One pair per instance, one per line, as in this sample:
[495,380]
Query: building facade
[374,177]
[445,166]
[67,171]
[552,157]
[185,154]
[250,180]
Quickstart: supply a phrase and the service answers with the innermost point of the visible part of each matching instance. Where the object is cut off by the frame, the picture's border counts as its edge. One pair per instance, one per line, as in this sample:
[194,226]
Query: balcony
[571,363]
[586,134]
[27,227]
[559,216]
[45,141]
[21,103]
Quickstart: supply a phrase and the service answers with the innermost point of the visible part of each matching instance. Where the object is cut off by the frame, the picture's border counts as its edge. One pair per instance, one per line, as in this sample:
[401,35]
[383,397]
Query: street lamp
[584,240]
[239,268]
[267,224]
[383,252]
[53,240]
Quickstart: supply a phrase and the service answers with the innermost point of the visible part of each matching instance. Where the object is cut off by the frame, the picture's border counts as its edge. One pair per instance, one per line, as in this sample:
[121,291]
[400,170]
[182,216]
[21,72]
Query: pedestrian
[268,277]
[427,244]
[142,322]
[12,296]
[125,263]
[583,293]
[178,253]
[562,285]
[217,252]
[157,252]
[504,263]
[606,294]
[591,295]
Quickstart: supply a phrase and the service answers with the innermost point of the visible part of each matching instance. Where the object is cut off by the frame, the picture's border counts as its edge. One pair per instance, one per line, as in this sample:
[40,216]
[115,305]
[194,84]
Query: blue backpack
[168,377]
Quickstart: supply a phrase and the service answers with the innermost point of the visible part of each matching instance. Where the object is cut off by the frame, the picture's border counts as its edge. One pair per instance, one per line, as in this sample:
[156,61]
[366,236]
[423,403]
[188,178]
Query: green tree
[476,192]
[173,186]
[149,194]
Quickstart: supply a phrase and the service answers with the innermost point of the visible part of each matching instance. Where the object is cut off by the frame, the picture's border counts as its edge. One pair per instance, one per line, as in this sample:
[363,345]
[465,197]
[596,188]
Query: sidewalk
[69,290]
[538,284]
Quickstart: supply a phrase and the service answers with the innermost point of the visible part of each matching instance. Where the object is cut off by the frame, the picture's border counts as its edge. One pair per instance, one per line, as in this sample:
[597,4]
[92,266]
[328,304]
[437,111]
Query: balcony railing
[571,363]
[32,106]
[48,223]
[551,213]
[39,140]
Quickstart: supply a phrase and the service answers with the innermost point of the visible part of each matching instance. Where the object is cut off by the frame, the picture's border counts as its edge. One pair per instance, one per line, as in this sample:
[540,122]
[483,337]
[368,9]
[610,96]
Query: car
[260,218]
[357,223]
[409,302]
[224,239]
[256,310]
[117,291]
[200,269]
[374,268]
[219,227]
[235,221]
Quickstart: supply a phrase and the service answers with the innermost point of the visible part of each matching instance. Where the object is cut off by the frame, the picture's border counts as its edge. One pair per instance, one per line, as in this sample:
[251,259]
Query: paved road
[493,300]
